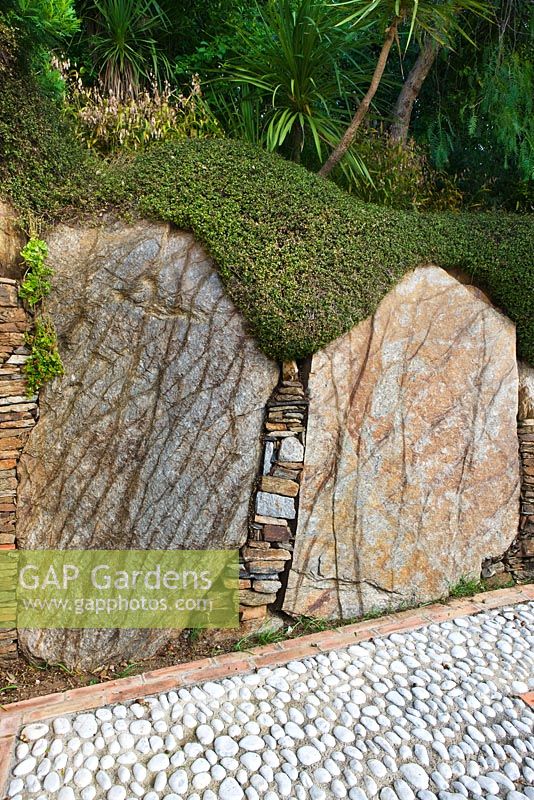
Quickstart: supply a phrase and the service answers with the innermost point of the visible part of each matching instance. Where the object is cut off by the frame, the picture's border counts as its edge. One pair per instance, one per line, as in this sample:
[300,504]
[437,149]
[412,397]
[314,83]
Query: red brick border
[7,746]
[13,716]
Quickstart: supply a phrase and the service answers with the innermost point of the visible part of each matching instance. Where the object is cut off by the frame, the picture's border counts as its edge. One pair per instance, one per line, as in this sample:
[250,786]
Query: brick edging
[13,716]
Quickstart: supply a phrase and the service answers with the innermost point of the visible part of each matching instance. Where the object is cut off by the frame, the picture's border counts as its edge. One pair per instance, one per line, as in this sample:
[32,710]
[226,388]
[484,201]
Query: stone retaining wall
[517,563]
[522,561]
[267,554]
[18,414]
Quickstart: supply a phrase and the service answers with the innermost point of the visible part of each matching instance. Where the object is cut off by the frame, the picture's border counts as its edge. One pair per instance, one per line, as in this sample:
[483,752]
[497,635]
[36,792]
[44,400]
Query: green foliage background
[303,260]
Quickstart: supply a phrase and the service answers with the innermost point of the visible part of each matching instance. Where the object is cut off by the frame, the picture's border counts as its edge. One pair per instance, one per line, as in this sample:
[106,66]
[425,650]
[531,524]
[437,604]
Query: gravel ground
[432,714]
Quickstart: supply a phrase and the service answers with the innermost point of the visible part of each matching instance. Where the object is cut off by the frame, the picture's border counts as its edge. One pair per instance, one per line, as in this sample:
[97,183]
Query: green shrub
[303,260]
[44,362]
[36,284]
[107,124]
[43,168]
[8,47]
[401,176]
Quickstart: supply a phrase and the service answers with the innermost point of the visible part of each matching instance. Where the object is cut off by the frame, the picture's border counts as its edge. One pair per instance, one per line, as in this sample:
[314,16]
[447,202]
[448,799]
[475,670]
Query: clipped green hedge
[303,260]
[43,169]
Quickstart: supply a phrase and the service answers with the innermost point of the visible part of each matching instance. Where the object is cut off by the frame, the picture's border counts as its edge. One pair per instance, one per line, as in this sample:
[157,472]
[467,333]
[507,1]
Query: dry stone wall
[517,563]
[268,551]
[399,477]
[18,415]
[521,560]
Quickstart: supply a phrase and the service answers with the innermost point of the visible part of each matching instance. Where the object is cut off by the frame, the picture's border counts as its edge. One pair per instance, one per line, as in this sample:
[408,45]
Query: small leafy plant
[467,587]
[128,670]
[36,284]
[194,634]
[44,362]
[262,637]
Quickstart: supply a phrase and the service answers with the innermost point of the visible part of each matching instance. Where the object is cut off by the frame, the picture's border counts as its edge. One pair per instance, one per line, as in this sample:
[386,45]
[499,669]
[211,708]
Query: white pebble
[116,793]
[159,762]
[83,777]
[25,767]
[61,726]
[308,755]
[179,781]
[205,734]
[415,775]
[230,790]
[35,731]
[225,746]
[85,725]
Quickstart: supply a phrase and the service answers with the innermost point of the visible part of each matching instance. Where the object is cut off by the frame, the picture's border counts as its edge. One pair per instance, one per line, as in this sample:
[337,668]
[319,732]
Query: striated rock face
[11,243]
[411,466]
[152,438]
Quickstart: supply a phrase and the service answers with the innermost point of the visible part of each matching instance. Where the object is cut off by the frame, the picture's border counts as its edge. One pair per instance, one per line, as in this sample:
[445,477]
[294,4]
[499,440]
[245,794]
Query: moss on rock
[303,260]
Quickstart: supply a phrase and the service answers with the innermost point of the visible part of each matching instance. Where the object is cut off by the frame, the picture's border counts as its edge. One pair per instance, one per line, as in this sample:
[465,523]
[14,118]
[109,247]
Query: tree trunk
[296,144]
[402,113]
[339,151]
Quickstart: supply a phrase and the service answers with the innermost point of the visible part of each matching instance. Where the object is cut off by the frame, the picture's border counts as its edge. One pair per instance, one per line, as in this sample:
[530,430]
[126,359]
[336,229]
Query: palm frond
[301,68]
[124,45]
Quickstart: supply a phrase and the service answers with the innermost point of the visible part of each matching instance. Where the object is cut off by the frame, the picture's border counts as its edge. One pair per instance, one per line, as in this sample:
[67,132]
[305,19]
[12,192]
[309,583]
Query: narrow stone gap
[304,368]
[267,555]
[517,563]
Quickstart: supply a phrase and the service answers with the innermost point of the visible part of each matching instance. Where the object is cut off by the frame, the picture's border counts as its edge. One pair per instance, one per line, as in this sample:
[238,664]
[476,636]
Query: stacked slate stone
[18,414]
[521,560]
[517,564]
[268,551]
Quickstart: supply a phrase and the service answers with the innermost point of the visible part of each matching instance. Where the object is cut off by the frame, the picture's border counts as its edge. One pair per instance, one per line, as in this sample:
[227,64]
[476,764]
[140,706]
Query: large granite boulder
[152,437]
[411,468]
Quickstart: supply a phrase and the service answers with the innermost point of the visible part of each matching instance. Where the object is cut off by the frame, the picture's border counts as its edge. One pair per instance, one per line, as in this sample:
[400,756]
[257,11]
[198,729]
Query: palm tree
[295,68]
[434,21]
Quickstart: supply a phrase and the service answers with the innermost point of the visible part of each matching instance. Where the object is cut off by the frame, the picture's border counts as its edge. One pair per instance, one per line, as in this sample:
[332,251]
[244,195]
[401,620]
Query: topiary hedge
[303,260]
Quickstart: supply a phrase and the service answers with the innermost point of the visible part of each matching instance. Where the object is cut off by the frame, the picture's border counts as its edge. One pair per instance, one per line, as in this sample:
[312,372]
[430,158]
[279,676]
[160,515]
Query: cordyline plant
[433,21]
[123,36]
[292,72]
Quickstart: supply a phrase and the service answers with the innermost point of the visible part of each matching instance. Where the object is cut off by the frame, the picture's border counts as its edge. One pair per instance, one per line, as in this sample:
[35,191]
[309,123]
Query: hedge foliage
[302,260]
[43,169]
